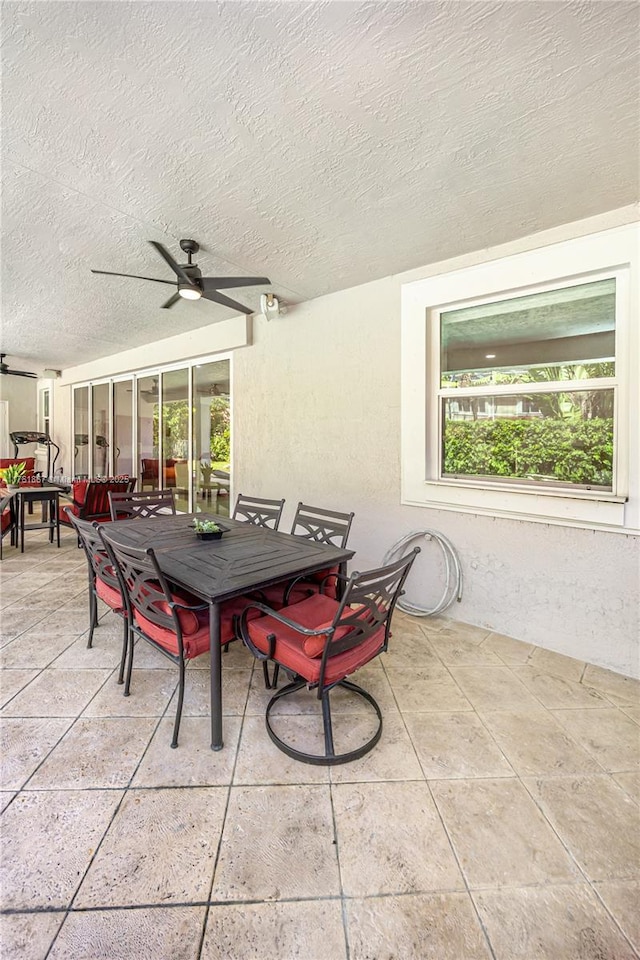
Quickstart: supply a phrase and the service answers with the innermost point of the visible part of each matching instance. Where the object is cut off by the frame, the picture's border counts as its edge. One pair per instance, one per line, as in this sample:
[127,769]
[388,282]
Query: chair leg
[270,682]
[176,727]
[130,646]
[93,615]
[329,757]
[125,644]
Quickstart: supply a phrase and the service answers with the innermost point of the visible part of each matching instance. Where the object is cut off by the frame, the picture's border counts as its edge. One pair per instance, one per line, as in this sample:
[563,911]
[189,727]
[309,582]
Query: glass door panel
[81,432]
[100,408]
[212,435]
[176,472]
[148,419]
[123,464]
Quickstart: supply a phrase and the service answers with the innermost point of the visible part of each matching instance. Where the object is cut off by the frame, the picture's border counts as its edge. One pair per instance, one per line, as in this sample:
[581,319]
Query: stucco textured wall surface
[317,418]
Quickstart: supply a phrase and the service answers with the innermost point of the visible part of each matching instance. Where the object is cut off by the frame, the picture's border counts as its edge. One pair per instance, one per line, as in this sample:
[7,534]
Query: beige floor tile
[536,745]
[28,936]
[308,930]
[105,652]
[49,838]
[500,836]
[550,923]
[558,692]
[508,649]
[455,745]
[96,752]
[277,844]
[630,783]
[26,741]
[556,664]
[6,796]
[57,693]
[372,678]
[427,927]
[12,682]
[409,649]
[622,900]
[171,932]
[596,820]
[151,691]
[493,688]
[633,712]
[193,763]
[34,650]
[458,651]
[608,735]
[426,690]
[457,630]
[391,840]
[616,687]
[393,757]
[261,762]
[197,695]
[160,848]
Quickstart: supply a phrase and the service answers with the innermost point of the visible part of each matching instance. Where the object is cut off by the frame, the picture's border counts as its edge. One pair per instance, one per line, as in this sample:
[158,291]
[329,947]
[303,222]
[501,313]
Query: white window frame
[610,253]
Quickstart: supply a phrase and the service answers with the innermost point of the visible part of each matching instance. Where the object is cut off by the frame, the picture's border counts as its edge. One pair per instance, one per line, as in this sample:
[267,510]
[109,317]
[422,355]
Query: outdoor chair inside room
[8,519]
[173,622]
[260,512]
[321,641]
[141,505]
[90,499]
[103,582]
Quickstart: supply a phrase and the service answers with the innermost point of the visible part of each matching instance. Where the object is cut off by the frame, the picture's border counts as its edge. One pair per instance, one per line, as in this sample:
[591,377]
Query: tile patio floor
[498,817]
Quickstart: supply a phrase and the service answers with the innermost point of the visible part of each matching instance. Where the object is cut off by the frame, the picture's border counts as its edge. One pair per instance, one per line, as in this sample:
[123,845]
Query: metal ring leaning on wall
[453,571]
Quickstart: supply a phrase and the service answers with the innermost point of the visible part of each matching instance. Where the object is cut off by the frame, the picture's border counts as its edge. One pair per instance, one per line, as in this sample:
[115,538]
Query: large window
[519,396]
[528,386]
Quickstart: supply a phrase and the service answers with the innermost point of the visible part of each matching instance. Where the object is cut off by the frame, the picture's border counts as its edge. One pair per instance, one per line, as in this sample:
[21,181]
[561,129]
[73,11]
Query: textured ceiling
[319,144]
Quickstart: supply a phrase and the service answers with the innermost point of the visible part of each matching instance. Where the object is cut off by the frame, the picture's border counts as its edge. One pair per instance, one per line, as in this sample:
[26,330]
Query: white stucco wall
[316,408]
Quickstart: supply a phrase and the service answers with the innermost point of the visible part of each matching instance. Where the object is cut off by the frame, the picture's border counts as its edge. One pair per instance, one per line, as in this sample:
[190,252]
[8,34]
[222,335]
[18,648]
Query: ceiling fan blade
[20,373]
[225,301]
[134,276]
[170,302]
[224,283]
[166,256]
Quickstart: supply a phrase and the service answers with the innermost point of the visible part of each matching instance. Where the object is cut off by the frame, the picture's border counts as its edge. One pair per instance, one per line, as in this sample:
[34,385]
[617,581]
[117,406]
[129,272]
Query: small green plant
[12,475]
[206,526]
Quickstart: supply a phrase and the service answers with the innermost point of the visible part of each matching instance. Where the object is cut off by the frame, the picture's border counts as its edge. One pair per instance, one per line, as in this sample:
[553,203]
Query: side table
[49,497]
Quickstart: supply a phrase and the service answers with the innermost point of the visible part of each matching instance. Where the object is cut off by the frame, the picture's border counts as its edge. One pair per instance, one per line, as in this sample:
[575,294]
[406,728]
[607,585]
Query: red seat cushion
[313,612]
[194,641]
[111,596]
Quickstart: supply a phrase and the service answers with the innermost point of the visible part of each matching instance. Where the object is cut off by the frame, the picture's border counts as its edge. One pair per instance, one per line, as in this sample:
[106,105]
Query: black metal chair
[8,519]
[103,582]
[172,621]
[260,512]
[141,505]
[321,641]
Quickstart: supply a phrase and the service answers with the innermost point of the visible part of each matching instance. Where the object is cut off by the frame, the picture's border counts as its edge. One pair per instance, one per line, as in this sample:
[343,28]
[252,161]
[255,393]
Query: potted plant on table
[12,475]
[208,529]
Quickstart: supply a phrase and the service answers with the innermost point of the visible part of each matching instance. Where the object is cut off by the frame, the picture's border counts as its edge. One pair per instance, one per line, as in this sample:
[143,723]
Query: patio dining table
[246,558]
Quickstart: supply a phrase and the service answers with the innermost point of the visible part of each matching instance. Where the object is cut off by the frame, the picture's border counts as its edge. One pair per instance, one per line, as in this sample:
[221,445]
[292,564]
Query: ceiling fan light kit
[190,284]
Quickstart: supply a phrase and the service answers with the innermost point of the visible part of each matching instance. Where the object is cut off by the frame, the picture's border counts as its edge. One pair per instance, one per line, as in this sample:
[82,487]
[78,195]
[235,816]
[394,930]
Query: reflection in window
[212,435]
[81,432]
[148,399]
[123,429]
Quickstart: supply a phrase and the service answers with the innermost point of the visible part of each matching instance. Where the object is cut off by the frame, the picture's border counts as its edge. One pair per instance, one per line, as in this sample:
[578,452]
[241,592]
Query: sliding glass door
[170,428]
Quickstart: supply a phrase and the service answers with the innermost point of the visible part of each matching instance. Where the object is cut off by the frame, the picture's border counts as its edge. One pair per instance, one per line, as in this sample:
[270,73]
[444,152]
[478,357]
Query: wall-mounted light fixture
[270,306]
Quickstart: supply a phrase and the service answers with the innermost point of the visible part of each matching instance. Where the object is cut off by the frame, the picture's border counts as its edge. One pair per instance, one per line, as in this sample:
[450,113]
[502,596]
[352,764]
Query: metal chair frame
[142,580]
[100,565]
[365,609]
[260,512]
[141,505]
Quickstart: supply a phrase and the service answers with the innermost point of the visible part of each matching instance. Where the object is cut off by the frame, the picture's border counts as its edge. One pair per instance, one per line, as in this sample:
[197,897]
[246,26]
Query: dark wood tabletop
[246,558]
